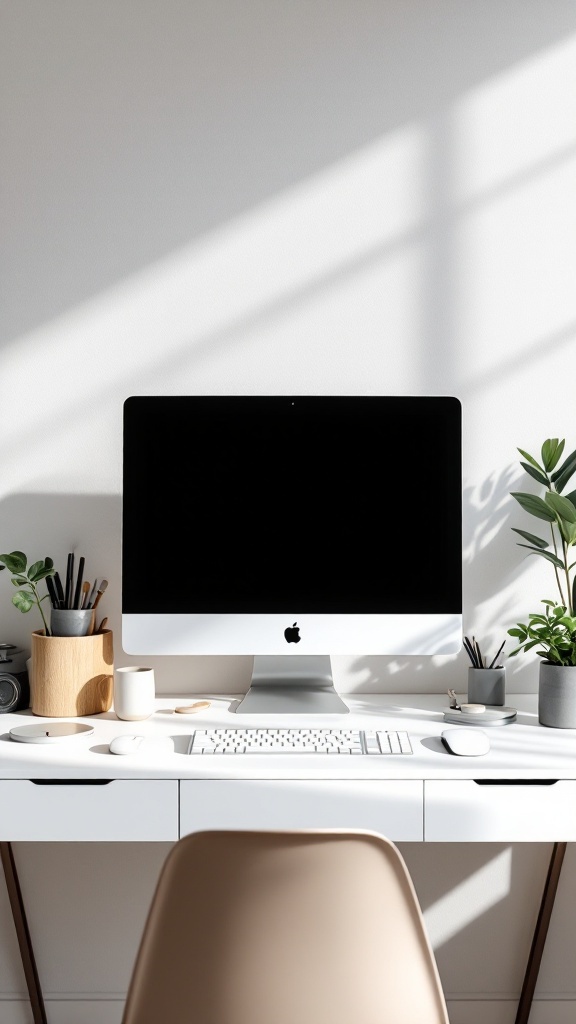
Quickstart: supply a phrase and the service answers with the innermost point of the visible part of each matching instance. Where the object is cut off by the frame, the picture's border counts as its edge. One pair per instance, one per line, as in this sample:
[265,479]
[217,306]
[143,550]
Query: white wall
[218,196]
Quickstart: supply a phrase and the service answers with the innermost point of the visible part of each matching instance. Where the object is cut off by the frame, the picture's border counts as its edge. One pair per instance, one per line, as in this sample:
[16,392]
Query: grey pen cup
[71,621]
[487,686]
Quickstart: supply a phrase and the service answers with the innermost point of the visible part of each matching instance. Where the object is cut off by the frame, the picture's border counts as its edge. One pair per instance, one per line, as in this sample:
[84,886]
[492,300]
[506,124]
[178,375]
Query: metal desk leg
[540,933]
[22,932]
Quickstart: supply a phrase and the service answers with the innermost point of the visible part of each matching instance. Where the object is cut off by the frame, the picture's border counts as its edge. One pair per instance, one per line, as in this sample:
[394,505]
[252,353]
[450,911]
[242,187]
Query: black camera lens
[9,692]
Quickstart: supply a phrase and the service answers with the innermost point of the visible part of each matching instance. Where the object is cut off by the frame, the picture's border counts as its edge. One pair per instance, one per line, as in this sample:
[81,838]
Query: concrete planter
[557,696]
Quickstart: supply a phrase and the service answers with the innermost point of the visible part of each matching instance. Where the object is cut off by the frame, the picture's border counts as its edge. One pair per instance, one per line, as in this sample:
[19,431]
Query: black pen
[78,591]
[496,656]
[465,646]
[471,653]
[59,590]
[69,573]
[52,591]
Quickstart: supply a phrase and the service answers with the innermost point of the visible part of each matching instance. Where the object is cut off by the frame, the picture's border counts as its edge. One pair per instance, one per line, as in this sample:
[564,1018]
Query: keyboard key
[384,743]
[405,745]
[372,745]
[394,743]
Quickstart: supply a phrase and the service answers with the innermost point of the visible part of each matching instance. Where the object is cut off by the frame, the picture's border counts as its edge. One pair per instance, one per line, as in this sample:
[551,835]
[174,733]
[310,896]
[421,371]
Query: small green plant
[553,631]
[556,509]
[27,578]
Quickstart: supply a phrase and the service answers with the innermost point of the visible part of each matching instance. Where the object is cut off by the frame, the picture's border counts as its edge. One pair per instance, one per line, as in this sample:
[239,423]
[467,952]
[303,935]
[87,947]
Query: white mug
[134,693]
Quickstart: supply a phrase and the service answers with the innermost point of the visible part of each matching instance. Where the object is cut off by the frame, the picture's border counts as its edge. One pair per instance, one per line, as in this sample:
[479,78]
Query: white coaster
[49,732]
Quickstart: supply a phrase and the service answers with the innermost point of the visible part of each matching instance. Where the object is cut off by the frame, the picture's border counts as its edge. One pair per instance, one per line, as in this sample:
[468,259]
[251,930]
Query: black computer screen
[261,503]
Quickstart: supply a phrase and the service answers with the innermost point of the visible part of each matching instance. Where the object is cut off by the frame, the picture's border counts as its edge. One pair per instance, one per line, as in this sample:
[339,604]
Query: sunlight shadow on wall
[469,898]
[244,299]
[339,260]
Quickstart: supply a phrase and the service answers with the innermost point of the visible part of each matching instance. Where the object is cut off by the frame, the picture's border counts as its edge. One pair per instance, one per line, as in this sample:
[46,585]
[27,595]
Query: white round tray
[494,715]
[49,732]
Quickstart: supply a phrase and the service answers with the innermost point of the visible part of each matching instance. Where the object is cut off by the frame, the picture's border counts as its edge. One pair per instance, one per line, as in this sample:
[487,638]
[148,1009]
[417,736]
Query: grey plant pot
[557,696]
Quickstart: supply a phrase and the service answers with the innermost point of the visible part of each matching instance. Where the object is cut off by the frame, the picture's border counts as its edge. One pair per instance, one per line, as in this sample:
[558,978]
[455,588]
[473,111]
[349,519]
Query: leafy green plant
[553,631]
[27,578]
[556,509]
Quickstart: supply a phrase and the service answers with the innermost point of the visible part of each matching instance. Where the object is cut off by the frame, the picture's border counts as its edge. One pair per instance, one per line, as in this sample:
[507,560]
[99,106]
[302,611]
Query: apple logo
[292,634]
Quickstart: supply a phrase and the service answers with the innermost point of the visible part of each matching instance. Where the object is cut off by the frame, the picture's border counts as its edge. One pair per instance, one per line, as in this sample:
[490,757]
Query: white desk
[524,790]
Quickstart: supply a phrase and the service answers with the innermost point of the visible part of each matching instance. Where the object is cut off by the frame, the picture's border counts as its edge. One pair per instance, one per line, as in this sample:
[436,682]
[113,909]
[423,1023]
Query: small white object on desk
[134,693]
[133,744]
[491,715]
[473,709]
[49,732]
[192,709]
[467,742]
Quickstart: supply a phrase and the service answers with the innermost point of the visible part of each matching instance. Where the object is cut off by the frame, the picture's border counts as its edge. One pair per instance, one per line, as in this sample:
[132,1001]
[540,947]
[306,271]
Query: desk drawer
[391,808]
[465,811]
[120,810]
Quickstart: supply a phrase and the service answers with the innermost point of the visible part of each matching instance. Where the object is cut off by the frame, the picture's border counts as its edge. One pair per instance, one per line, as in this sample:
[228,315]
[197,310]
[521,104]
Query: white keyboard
[299,741]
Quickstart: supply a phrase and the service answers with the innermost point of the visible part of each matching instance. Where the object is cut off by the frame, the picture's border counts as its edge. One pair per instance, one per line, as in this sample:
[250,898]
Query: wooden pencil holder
[71,675]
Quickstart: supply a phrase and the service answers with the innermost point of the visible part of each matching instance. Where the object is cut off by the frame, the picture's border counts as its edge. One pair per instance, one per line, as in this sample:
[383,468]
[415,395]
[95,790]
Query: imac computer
[293,529]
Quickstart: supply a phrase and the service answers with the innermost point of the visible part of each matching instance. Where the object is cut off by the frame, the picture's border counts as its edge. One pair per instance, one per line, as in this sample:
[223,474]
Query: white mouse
[468,741]
[148,745]
[125,744]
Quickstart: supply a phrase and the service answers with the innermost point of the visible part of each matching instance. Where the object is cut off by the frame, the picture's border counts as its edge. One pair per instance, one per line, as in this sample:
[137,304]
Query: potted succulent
[552,631]
[72,675]
[27,578]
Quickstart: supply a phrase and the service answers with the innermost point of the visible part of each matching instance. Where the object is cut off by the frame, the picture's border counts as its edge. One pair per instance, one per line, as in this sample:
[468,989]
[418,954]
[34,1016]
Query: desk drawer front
[392,808]
[121,810]
[463,811]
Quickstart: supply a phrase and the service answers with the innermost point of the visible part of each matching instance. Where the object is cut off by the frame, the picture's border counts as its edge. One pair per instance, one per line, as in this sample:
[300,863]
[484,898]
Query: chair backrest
[285,927]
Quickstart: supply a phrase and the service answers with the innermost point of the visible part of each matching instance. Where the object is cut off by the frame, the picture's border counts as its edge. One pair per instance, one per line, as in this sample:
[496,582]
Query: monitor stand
[292,684]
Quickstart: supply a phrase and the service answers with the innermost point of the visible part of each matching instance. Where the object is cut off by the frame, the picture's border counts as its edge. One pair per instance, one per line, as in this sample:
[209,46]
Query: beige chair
[285,927]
